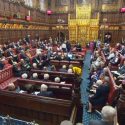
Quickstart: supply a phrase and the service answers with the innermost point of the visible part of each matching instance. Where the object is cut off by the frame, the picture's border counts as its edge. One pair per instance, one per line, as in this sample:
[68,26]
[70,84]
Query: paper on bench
[115,72]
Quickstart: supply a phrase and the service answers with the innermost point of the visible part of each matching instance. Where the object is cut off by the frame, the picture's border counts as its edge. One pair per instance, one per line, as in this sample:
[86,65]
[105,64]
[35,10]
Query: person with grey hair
[101,96]
[24,76]
[46,77]
[34,65]
[34,76]
[66,122]
[108,114]
[44,92]
[57,80]
[63,69]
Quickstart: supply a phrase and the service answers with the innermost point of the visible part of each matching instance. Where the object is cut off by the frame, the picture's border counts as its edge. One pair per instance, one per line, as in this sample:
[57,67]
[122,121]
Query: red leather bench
[112,88]
[7,76]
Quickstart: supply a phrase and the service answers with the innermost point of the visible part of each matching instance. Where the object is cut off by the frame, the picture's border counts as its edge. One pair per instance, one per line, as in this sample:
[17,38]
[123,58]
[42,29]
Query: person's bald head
[11,87]
[66,122]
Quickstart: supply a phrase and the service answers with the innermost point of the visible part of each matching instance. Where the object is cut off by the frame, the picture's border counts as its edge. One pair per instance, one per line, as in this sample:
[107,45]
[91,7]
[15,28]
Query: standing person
[68,46]
[50,40]
[107,38]
[64,47]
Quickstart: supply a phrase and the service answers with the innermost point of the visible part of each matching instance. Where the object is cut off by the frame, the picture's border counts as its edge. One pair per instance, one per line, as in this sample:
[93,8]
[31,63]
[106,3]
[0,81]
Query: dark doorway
[61,37]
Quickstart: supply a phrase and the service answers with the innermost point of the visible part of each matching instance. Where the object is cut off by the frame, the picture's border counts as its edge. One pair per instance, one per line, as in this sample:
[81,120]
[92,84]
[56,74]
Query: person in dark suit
[16,70]
[78,47]
[34,76]
[68,46]
[10,52]
[25,66]
[121,69]
[63,69]
[101,96]
[116,60]
[108,114]
[37,59]
[46,78]
[44,92]
[24,56]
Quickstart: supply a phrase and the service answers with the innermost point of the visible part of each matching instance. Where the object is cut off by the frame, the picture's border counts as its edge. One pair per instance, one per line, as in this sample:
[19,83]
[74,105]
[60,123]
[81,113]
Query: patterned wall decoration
[61,2]
[83,28]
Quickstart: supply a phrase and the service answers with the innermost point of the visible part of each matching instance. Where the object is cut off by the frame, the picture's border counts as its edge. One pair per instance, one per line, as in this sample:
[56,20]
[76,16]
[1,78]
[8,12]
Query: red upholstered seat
[122,58]
[4,84]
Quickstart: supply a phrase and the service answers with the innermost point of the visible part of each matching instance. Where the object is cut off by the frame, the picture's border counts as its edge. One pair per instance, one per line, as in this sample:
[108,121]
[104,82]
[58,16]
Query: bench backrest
[6,74]
[38,108]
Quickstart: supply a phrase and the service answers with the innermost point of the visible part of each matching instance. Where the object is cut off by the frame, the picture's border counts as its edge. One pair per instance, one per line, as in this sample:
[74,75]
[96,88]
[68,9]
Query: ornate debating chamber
[29,28]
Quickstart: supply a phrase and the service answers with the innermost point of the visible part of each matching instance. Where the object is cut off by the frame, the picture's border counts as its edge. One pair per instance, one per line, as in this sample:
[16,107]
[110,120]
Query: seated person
[58,56]
[37,59]
[34,76]
[106,50]
[111,55]
[16,70]
[120,71]
[44,92]
[63,46]
[25,66]
[69,71]
[122,50]
[101,96]
[53,68]
[28,53]
[24,76]
[10,53]
[78,47]
[45,68]
[27,88]
[109,115]
[11,61]
[34,66]
[63,69]
[46,78]
[24,56]
[76,70]
[12,87]
[57,80]
[115,60]
[96,85]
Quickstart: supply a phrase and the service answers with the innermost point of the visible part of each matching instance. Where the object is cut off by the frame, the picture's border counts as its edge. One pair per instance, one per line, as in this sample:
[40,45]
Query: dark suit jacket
[46,94]
[99,122]
[9,53]
[101,96]
[36,60]
[16,71]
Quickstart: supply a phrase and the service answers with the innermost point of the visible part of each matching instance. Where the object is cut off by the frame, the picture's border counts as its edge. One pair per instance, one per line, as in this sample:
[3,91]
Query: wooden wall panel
[15,35]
